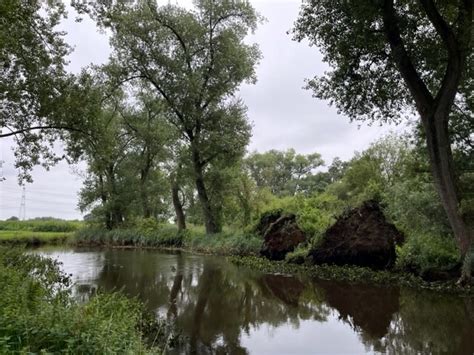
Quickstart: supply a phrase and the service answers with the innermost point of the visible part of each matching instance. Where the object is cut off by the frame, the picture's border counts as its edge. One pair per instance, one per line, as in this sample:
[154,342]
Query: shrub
[423,252]
[298,256]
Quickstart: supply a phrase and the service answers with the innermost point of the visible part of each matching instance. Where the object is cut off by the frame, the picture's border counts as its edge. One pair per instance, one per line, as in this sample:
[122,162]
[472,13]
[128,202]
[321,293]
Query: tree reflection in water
[216,303]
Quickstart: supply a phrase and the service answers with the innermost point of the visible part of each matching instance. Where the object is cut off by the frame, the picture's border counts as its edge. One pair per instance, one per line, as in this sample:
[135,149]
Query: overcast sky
[283,114]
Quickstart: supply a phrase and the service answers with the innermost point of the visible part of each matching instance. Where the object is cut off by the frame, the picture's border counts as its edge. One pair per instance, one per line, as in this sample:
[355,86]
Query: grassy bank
[37,232]
[31,238]
[38,314]
[228,242]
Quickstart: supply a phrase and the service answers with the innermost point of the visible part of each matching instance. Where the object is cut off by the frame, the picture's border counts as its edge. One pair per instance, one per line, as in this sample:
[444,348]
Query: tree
[34,87]
[389,58]
[151,137]
[125,141]
[195,60]
[283,172]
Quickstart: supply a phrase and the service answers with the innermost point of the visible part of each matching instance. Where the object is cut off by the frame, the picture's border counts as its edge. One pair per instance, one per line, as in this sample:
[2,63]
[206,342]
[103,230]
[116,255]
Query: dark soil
[281,234]
[362,237]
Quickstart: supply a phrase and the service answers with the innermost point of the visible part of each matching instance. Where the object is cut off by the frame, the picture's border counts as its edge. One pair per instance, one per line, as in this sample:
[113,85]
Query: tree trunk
[116,215]
[144,194]
[209,217]
[439,150]
[178,206]
[435,109]
[144,173]
[103,197]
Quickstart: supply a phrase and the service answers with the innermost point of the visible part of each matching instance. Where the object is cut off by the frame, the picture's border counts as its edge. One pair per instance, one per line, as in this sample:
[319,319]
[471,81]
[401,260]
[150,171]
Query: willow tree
[194,59]
[389,58]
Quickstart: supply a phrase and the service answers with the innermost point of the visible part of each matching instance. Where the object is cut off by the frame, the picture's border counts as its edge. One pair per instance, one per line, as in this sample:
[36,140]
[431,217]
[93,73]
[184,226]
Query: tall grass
[38,314]
[48,225]
[194,238]
[33,238]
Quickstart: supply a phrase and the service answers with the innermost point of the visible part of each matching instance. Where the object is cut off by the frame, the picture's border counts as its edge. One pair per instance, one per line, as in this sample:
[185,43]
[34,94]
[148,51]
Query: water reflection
[223,309]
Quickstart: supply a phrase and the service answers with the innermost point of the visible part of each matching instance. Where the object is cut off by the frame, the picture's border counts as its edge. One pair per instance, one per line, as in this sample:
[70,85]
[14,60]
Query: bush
[314,214]
[298,256]
[424,252]
[38,314]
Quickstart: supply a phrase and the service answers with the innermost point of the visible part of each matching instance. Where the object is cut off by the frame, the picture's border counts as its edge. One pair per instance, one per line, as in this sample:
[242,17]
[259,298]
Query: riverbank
[242,247]
[38,313]
[38,232]
[193,239]
[31,238]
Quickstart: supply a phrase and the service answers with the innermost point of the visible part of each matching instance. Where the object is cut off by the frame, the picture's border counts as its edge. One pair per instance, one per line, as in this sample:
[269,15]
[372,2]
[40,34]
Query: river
[224,309]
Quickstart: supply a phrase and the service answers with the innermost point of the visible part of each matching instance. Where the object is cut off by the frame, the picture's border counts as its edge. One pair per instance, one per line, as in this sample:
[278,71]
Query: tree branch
[420,93]
[457,48]
[175,33]
[35,128]
[442,28]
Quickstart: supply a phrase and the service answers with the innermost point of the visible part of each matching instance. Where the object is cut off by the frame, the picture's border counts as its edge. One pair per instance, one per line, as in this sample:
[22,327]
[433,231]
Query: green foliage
[37,231]
[224,243]
[364,81]
[425,252]
[414,206]
[33,238]
[228,242]
[297,256]
[40,225]
[34,86]
[162,236]
[317,213]
[192,60]
[38,314]
[282,172]
[314,214]
[390,57]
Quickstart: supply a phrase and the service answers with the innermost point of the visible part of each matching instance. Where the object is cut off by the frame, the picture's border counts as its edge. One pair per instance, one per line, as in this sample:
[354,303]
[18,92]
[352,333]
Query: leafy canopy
[364,81]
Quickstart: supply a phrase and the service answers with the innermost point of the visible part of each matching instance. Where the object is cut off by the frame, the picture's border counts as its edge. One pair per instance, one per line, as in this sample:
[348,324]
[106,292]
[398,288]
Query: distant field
[36,232]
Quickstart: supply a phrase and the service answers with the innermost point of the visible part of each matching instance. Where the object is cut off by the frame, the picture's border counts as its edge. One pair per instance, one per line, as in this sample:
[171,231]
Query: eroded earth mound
[281,234]
[362,237]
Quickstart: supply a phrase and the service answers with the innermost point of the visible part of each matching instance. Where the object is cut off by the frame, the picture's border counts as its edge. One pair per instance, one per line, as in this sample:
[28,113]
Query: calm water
[226,309]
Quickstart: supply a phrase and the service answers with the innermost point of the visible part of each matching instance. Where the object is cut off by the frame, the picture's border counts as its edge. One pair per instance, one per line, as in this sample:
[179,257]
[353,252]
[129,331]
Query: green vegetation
[164,134]
[38,314]
[37,231]
[33,238]
[422,253]
[383,66]
[41,225]
[194,239]
[351,274]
